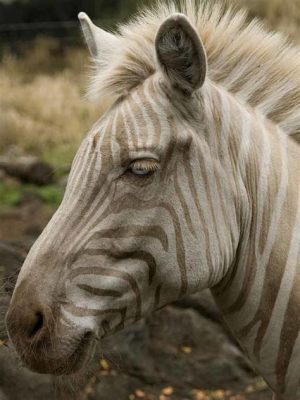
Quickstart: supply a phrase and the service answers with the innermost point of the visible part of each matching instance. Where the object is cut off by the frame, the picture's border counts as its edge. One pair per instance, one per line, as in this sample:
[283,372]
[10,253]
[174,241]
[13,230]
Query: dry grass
[280,15]
[42,109]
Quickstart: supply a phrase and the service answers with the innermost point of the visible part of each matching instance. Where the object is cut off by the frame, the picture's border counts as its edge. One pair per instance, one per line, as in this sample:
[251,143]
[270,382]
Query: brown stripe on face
[137,231]
[140,255]
[110,272]
[87,312]
[99,292]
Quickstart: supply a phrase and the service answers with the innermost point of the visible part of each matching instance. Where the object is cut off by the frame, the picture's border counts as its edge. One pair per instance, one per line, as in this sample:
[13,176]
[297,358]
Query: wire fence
[13,35]
[50,25]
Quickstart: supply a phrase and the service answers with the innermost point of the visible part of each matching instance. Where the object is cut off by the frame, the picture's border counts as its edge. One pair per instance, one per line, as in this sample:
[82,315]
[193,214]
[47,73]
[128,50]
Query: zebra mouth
[44,360]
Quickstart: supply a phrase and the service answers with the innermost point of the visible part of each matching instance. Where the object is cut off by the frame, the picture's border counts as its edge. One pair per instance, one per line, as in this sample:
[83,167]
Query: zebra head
[139,225]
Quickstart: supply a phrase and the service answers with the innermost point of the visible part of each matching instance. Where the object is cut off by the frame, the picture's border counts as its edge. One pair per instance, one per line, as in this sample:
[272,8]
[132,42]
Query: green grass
[51,194]
[12,193]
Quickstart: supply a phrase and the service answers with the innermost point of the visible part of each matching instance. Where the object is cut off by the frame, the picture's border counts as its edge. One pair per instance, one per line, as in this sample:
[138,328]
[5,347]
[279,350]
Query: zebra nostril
[25,323]
[37,325]
[87,337]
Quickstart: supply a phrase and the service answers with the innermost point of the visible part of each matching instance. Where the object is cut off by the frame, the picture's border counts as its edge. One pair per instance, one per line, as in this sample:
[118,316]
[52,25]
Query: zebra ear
[181,54]
[100,43]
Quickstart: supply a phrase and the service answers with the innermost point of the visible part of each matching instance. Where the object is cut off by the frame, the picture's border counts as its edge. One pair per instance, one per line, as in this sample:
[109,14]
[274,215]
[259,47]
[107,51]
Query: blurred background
[182,352]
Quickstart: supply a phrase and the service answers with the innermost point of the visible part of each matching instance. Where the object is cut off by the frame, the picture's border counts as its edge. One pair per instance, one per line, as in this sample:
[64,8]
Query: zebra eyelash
[143,168]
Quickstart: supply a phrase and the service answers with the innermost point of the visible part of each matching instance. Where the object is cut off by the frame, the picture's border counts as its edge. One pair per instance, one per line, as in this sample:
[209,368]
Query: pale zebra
[189,181]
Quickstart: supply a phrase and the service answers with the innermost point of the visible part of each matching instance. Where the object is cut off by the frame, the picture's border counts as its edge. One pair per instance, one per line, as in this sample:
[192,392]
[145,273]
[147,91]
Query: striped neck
[258,295]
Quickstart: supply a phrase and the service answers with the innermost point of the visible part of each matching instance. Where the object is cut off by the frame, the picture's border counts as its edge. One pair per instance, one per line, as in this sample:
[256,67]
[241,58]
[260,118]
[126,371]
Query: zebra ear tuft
[181,54]
[100,43]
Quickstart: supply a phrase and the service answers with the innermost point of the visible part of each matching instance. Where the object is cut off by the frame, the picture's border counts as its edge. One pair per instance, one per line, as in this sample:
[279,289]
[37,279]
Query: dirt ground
[179,353]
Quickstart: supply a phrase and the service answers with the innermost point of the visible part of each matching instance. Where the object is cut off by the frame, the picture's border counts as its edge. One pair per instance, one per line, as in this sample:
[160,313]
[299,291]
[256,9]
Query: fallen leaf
[89,390]
[200,395]
[260,384]
[218,394]
[168,391]
[104,364]
[162,397]
[140,394]
[186,349]
[250,389]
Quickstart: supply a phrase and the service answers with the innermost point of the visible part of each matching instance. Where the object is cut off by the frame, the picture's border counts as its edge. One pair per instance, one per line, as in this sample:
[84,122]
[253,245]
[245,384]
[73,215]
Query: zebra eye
[144,168]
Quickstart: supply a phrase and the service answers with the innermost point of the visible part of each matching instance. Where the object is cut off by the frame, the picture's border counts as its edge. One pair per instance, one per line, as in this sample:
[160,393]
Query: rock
[27,169]
[2,396]
[20,384]
[174,347]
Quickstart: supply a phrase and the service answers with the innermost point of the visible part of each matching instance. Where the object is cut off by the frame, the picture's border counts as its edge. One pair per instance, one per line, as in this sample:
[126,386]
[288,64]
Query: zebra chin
[61,356]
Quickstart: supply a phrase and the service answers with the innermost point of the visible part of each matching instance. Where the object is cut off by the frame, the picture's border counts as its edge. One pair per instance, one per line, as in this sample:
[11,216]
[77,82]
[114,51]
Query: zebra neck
[260,294]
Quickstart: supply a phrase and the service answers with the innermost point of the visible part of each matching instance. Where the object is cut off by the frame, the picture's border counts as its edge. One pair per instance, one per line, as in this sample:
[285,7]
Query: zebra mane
[261,68]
